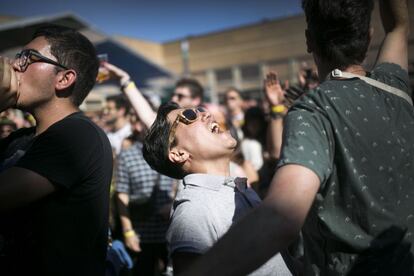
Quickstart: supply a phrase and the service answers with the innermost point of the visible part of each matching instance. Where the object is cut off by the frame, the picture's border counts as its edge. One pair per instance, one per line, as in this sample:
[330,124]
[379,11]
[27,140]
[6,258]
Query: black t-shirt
[66,232]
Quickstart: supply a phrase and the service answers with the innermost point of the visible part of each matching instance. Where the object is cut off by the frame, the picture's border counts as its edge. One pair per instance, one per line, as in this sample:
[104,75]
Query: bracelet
[278,111]
[280,108]
[128,84]
[129,233]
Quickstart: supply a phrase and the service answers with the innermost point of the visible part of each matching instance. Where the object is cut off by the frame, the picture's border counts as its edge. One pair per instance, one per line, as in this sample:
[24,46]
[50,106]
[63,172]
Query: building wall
[241,56]
[150,50]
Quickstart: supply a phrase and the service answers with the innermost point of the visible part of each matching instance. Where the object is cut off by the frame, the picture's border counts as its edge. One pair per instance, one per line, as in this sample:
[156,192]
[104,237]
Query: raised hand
[8,85]
[273,90]
[116,72]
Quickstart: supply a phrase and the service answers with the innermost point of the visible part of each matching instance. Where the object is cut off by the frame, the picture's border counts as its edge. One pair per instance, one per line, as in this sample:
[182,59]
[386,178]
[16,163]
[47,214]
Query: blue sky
[158,20]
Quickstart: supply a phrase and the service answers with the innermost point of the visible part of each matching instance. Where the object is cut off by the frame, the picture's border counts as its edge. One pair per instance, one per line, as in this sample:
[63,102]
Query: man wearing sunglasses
[54,178]
[187,143]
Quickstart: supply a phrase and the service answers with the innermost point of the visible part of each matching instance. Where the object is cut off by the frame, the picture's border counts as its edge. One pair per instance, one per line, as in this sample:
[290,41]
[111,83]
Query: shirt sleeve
[308,141]
[122,174]
[66,153]
[191,229]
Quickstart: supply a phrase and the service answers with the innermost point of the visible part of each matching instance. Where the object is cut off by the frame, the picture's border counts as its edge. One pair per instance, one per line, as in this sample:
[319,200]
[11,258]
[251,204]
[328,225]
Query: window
[224,75]
[250,72]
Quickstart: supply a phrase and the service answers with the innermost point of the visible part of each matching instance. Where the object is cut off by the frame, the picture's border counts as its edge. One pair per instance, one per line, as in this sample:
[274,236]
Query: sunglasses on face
[186,116]
[29,56]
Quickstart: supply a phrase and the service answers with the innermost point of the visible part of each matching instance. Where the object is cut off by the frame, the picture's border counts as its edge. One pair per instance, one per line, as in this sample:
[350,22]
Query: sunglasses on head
[186,116]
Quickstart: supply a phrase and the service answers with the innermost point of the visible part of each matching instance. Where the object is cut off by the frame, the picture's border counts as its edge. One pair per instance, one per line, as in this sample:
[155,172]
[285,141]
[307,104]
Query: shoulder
[77,123]
[23,133]
[391,74]
[190,206]
[76,129]
[191,227]
[391,69]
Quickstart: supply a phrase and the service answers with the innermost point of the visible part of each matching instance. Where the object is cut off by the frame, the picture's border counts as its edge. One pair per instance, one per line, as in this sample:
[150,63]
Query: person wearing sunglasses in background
[55,177]
[187,93]
[187,143]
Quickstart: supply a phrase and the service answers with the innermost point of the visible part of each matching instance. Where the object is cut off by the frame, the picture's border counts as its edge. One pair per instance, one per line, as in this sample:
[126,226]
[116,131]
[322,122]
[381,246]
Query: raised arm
[394,49]
[138,101]
[275,96]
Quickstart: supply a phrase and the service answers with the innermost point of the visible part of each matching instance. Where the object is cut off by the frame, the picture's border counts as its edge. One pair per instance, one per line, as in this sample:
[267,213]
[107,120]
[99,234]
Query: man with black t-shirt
[54,178]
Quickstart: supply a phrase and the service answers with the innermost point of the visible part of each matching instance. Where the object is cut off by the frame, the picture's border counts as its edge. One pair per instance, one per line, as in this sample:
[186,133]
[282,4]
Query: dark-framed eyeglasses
[186,116]
[29,56]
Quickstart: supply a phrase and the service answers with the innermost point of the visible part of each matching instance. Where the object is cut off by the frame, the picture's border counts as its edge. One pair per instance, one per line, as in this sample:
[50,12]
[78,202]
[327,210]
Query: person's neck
[324,69]
[212,167]
[50,113]
[236,112]
[120,123]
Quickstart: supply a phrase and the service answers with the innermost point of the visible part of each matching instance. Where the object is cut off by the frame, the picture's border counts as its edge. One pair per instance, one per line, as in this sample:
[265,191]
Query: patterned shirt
[358,139]
[135,178]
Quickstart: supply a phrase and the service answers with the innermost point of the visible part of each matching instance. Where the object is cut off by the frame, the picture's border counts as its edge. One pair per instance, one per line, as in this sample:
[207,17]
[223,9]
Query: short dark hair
[76,52]
[155,148]
[120,102]
[196,90]
[339,29]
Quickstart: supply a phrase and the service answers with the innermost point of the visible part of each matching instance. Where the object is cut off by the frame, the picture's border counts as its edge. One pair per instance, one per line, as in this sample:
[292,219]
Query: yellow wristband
[129,233]
[280,108]
[130,85]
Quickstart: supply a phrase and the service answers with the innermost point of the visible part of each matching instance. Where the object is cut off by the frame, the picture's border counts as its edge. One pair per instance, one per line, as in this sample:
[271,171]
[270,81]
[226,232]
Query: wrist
[129,233]
[127,85]
[124,81]
[278,111]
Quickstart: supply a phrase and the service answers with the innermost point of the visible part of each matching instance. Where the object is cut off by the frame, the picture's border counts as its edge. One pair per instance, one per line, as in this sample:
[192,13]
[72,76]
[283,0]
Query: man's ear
[65,79]
[178,156]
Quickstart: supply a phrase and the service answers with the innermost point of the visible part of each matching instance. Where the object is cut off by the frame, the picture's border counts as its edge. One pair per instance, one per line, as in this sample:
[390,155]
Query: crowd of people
[314,178]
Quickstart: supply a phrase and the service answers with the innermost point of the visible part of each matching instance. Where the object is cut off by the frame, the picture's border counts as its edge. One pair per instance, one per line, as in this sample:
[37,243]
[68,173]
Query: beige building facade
[240,57]
[237,57]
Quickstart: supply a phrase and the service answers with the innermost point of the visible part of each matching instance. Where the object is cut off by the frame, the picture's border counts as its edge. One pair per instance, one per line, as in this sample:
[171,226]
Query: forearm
[122,202]
[275,135]
[140,105]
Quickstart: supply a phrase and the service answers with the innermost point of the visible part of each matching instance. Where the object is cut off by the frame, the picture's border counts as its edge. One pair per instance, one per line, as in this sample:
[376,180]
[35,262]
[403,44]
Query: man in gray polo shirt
[188,144]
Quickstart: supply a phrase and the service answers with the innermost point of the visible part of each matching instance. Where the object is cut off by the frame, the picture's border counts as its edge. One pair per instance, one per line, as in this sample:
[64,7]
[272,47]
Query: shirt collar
[214,182]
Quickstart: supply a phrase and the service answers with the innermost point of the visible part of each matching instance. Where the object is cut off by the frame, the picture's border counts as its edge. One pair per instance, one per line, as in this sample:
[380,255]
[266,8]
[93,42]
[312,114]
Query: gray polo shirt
[205,208]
